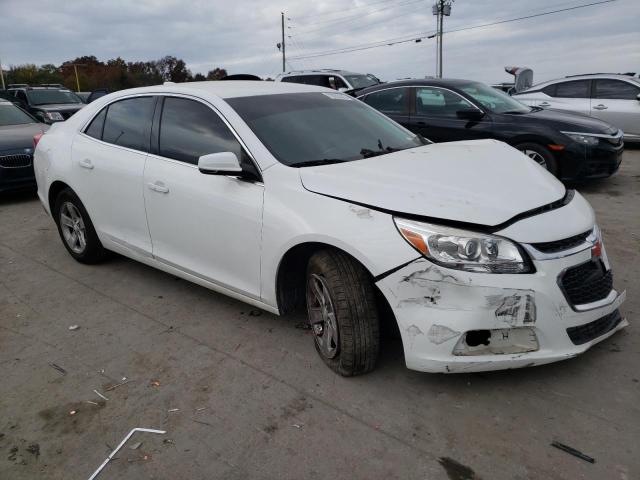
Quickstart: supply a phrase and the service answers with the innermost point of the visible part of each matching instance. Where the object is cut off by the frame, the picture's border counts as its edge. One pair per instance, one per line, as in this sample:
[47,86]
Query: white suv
[340,80]
[279,194]
[612,98]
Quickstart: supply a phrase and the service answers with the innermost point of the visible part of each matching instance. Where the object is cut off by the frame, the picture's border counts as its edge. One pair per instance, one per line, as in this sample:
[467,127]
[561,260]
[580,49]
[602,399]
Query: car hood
[14,137]
[483,182]
[573,120]
[60,107]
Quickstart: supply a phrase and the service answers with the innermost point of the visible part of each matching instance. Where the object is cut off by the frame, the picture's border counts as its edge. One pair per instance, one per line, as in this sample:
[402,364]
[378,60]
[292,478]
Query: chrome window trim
[473,104]
[613,136]
[538,255]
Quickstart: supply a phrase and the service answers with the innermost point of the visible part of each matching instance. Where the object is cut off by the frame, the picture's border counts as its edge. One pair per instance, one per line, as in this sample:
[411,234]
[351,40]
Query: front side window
[190,129]
[494,100]
[302,129]
[295,79]
[128,123]
[12,115]
[51,97]
[616,90]
[361,81]
[392,100]
[438,102]
[575,89]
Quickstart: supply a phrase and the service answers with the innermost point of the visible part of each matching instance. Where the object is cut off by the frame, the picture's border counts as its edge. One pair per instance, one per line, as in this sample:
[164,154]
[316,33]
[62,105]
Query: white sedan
[282,195]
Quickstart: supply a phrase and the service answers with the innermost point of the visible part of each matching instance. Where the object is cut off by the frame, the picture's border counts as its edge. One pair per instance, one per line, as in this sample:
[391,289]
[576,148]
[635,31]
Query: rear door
[616,102]
[206,225]
[435,116]
[572,96]
[393,102]
[108,165]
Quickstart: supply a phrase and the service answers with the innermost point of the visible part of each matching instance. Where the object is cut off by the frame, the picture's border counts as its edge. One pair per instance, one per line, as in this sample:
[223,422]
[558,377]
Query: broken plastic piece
[112,454]
[100,395]
[573,451]
[135,446]
[58,368]
[74,327]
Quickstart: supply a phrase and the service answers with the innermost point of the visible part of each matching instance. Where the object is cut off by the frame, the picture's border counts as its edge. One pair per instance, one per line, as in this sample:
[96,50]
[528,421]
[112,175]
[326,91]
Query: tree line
[114,74]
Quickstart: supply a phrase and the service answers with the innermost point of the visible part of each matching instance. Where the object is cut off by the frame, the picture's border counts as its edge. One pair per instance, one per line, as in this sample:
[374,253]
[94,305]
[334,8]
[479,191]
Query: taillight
[36,139]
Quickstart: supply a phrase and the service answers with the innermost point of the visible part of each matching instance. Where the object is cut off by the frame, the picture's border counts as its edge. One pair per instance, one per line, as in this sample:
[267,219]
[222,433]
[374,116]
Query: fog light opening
[473,338]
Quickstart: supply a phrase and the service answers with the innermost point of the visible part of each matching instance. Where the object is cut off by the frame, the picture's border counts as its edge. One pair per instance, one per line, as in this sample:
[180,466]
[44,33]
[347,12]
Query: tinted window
[495,100]
[291,79]
[52,96]
[616,89]
[189,129]
[439,102]
[299,128]
[575,89]
[318,80]
[128,123]
[550,90]
[20,95]
[12,115]
[95,127]
[392,100]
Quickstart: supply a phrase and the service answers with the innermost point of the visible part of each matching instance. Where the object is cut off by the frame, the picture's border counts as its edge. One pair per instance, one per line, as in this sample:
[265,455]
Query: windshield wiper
[315,163]
[368,153]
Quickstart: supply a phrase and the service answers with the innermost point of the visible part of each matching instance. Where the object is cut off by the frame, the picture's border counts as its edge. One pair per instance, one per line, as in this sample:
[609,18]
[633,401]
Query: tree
[198,77]
[216,74]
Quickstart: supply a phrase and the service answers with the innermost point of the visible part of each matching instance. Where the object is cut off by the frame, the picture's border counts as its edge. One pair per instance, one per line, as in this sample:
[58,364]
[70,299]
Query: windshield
[303,129]
[361,81]
[12,115]
[47,97]
[494,100]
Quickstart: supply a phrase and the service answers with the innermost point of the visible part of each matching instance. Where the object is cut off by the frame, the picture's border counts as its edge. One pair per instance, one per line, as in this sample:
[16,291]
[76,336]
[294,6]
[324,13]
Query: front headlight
[583,138]
[463,250]
[53,116]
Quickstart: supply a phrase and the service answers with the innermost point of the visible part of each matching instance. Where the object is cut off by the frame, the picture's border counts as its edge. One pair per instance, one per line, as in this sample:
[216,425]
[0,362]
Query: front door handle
[600,107]
[86,163]
[158,187]
[545,104]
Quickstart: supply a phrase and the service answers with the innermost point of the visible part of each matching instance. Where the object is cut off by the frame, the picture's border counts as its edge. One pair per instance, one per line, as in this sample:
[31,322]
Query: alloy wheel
[72,226]
[322,316]
[535,156]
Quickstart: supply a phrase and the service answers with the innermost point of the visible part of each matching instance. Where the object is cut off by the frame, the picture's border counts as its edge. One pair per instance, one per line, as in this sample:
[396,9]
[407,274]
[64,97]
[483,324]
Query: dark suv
[48,104]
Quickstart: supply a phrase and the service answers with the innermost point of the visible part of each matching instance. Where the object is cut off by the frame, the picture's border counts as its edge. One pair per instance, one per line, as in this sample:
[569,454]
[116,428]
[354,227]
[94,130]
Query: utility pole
[75,69]
[441,8]
[284,58]
[2,75]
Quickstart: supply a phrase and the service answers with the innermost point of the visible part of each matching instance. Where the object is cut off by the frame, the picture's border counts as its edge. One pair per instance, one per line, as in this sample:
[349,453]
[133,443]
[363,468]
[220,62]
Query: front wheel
[76,229]
[342,312]
[540,155]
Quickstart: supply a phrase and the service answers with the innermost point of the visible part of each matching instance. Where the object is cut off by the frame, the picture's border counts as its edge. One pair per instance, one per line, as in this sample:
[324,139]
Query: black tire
[93,251]
[550,162]
[352,296]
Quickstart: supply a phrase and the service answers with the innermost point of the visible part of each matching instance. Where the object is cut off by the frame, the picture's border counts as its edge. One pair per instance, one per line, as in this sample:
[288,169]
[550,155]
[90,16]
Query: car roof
[410,82]
[234,88]
[588,76]
[326,71]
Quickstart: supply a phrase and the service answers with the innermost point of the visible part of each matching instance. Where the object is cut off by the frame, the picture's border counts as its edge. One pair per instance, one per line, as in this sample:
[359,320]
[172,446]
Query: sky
[241,35]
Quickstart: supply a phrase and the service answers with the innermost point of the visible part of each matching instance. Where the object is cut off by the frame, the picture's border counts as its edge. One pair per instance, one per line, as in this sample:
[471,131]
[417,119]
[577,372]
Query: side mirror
[472,114]
[223,163]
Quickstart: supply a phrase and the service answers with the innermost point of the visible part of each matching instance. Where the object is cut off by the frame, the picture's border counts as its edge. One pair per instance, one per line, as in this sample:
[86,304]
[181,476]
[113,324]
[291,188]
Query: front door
[208,226]
[393,102]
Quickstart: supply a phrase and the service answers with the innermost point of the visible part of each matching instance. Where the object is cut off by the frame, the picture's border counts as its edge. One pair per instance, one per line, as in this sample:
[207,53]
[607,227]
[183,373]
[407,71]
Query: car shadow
[22,196]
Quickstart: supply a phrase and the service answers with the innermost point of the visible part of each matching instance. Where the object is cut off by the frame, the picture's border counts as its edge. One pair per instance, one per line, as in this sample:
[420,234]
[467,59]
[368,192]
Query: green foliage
[114,74]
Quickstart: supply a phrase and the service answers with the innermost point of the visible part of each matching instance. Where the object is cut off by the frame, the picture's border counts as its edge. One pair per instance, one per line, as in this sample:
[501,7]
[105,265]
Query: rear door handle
[545,104]
[600,107]
[86,163]
[158,187]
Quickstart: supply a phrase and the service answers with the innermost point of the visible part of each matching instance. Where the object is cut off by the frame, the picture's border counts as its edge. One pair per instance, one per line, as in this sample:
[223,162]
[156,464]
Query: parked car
[335,79]
[572,147]
[276,193]
[613,98]
[88,97]
[48,104]
[17,129]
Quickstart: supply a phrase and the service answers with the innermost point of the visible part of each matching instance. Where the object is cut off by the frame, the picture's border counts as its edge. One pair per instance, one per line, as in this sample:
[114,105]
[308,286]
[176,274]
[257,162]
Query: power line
[332,12]
[424,35]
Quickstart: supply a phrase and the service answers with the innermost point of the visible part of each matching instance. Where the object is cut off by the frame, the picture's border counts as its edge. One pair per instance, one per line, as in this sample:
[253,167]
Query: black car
[571,146]
[17,129]
[48,104]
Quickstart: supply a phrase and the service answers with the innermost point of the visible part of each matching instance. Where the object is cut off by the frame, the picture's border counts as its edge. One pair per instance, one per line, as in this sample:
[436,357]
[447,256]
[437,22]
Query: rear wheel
[540,155]
[342,312]
[75,228]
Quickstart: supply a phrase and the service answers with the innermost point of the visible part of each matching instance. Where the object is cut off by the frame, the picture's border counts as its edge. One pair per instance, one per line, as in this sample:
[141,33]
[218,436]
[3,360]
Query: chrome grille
[15,161]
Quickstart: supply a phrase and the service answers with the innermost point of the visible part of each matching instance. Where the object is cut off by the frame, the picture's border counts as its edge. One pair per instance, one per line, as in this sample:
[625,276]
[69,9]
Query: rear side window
[189,129]
[392,100]
[95,127]
[616,90]
[575,89]
[128,123]
[291,79]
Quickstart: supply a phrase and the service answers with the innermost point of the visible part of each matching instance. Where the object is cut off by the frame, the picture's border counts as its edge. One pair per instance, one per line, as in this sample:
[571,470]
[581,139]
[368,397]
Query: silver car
[609,97]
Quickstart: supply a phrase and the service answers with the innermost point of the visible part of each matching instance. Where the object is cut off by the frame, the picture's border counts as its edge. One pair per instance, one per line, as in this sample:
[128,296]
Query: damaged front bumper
[457,321]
